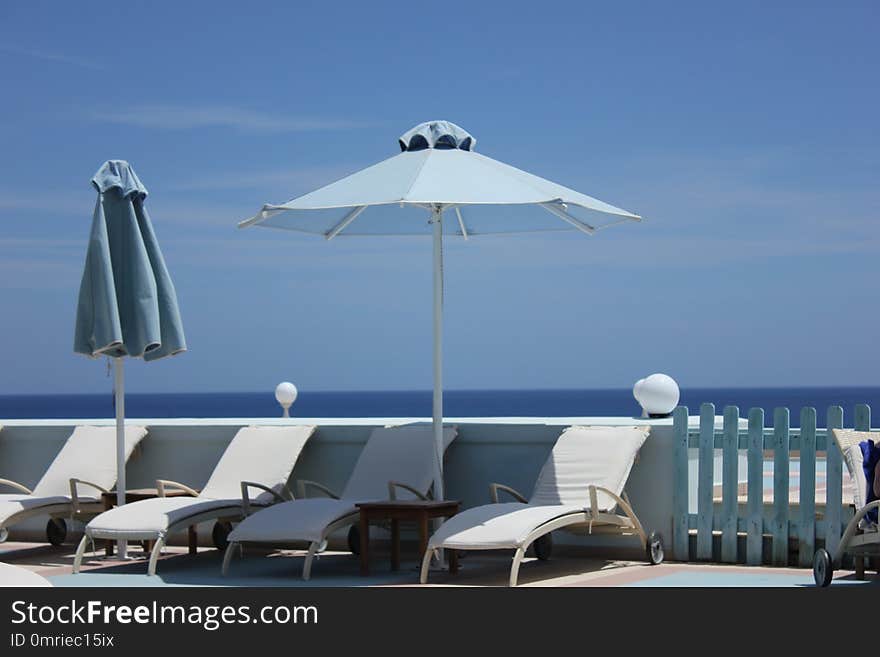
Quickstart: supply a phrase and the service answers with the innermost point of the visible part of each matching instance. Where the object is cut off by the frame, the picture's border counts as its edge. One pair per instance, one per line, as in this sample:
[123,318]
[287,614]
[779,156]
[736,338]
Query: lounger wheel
[654,549]
[823,568]
[354,540]
[220,534]
[56,531]
[543,547]
[4,534]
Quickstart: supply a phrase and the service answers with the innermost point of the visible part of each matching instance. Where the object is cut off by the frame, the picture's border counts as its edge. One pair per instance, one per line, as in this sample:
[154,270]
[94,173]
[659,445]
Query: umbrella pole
[437,225]
[119,399]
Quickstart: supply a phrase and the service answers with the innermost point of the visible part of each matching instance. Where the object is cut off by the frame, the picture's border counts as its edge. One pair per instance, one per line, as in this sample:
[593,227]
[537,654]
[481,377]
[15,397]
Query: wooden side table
[417,511]
[136,495]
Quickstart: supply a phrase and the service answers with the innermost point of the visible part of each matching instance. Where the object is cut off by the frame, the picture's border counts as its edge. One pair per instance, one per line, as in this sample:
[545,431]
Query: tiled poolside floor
[566,569]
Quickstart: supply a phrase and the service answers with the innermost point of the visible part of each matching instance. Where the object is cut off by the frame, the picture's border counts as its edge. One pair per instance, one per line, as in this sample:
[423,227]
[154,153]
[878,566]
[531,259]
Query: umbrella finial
[437,134]
[119,174]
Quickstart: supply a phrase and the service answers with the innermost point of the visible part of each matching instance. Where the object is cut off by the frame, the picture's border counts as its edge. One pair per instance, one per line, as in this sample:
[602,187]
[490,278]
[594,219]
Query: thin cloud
[180,117]
[56,202]
[39,274]
[71,60]
[493,254]
[39,243]
[195,213]
[292,180]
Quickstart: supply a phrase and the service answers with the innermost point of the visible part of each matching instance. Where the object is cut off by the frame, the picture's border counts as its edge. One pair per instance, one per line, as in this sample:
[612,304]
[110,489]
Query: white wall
[505,450]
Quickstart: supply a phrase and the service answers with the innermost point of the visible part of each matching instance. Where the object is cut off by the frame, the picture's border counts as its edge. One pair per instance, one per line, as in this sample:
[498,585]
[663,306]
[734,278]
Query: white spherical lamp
[285,393]
[657,394]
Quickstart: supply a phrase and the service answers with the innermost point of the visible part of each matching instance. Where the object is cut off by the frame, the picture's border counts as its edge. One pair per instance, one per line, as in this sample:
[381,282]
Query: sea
[457,403]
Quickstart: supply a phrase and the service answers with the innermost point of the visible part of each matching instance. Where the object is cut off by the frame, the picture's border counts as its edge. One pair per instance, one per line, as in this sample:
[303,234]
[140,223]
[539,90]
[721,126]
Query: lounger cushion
[300,520]
[245,459]
[152,518]
[11,505]
[403,453]
[496,526]
[16,576]
[602,456]
[89,454]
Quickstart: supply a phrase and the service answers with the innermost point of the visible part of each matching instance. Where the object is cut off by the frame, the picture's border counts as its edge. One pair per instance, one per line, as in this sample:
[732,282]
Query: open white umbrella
[438,172]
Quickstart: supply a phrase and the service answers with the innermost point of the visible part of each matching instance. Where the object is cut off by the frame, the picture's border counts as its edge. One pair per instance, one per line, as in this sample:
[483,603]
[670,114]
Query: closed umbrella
[439,176]
[127,303]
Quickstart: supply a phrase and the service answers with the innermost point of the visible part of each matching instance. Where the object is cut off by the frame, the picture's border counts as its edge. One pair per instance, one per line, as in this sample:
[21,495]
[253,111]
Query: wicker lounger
[580,488]
[862,536]
[87,460]
[256,458]
[394,458]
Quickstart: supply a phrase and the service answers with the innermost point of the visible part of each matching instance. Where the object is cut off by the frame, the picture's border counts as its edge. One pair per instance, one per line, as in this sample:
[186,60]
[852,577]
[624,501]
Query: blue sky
[747,135]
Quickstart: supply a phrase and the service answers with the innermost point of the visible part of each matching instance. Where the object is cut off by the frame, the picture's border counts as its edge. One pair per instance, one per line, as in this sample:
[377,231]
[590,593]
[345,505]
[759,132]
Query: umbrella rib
[346,220]
[556,209]
[464,231]
[614,223]
[266,213]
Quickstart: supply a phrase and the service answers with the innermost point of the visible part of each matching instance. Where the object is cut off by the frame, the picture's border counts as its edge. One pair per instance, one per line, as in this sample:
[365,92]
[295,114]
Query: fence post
[680,541]
[729,484]
[705,473]
[807,498]
[781,457]
[833,481]
[755,523]
[863,418]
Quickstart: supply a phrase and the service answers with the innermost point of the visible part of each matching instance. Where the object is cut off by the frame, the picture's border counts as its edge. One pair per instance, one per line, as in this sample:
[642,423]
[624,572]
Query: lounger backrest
[89,454]
[584,456]
[848,442]
[264,455]
[404,454]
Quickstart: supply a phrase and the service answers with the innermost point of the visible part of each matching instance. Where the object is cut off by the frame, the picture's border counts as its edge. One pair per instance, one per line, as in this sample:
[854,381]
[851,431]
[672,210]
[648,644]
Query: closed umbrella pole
[119,403]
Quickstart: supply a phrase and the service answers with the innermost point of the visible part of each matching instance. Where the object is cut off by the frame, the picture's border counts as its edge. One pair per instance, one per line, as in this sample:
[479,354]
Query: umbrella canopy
[438,166]
[438,171]
[127,303]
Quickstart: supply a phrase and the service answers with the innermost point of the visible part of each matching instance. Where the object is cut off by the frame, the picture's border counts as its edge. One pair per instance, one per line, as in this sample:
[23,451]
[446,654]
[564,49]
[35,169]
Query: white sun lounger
[861,538]
[87,460]
[393,458]
[258,457]
[579,488]
[16,576]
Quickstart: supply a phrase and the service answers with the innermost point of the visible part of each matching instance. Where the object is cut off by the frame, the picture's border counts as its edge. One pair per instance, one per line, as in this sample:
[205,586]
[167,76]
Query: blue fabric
[436,134]
[127,303]
[870,459]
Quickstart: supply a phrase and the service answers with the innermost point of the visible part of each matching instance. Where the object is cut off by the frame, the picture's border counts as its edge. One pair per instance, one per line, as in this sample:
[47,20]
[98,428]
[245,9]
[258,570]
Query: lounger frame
[857,542]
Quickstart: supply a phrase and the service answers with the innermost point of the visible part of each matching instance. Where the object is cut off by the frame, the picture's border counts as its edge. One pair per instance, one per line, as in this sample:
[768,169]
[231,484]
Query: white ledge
[346,421]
